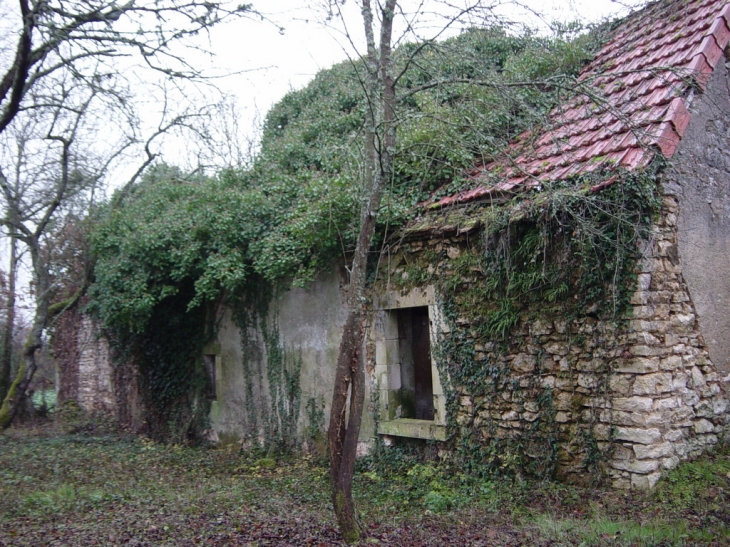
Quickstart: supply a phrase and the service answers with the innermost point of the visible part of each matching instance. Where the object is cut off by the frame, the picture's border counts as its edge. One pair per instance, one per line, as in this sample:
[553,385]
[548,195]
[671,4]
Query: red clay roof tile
[630,100]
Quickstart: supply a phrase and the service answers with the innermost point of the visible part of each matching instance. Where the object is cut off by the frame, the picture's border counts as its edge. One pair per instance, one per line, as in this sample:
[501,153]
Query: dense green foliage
[180,244]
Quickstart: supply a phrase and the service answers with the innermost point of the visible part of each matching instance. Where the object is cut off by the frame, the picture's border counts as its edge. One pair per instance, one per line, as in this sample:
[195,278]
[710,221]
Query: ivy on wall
[182,244]
[564,253]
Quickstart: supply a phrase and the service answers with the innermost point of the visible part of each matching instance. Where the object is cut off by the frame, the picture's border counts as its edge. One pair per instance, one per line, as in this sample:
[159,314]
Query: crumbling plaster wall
[309,324]
[699,176]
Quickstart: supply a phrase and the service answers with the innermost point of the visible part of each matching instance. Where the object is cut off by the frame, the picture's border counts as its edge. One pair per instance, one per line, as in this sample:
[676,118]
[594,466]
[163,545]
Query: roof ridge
[629,102]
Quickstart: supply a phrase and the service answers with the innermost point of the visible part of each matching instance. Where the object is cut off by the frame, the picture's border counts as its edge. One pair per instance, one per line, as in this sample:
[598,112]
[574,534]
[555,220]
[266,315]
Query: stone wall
[624,402]
[299,332]
[95,372]
[668,402]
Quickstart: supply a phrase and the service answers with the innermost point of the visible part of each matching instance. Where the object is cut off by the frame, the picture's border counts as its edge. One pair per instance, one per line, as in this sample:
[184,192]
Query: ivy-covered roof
[631,101]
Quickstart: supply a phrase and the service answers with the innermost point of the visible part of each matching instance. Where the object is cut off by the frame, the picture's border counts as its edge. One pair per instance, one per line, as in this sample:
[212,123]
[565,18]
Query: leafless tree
[68,72]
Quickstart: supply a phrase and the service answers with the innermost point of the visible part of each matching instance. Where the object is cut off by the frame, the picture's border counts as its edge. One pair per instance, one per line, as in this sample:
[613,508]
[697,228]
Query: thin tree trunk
[344,430]
[34,341]
[7,349]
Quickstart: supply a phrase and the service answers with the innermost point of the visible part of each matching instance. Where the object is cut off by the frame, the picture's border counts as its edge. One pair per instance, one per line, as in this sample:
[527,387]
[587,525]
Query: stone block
[616,417]
[643,281]
[633,404]
[679,382]
[638,365]
[621,452]
[652,452]
[670,363]
[387,352]
[667,404]
[509,416]
[602,432]
[704,409]
[698,379]
[683,320]
[562,417]
[704,426]
[557,348]
[646,351]
[638,435]
[645,482]
[644,312]
[548,381]
[636,466]
[620,384]
[719,406]
[540,328]
[652,384]
[524,363]
[587,380]
[674,435]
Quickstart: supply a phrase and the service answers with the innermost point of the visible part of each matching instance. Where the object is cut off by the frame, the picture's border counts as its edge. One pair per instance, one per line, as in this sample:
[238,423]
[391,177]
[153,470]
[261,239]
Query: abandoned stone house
[631,396]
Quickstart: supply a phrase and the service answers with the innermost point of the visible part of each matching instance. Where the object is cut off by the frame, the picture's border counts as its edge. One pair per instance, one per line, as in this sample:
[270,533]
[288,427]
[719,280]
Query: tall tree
[344,427]
[68,70]
[383,115]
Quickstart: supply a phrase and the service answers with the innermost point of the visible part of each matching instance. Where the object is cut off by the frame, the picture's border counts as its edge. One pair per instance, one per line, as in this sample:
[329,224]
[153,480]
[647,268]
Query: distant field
[79,490]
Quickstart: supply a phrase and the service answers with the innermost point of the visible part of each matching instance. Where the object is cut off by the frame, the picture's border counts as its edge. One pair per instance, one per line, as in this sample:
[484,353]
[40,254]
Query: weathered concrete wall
[699,176]
[301,333]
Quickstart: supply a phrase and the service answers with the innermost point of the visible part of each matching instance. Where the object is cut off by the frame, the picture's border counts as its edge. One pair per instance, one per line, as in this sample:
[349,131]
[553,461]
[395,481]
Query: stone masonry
[647,393]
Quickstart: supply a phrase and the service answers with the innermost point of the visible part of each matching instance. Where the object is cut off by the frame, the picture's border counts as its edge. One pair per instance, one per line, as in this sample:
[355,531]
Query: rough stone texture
[96,393]
[649,391]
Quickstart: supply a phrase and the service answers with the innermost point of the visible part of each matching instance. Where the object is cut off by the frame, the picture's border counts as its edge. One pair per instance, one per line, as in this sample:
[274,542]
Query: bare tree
[379,80]
[344,429]
[68,70]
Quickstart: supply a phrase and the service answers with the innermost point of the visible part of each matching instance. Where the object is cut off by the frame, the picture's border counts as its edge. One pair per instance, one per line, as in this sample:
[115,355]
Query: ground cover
[95,488]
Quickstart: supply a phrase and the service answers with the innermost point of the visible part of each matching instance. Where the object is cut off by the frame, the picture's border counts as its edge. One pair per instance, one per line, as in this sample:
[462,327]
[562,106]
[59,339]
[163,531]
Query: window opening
[416,395]
[209,364]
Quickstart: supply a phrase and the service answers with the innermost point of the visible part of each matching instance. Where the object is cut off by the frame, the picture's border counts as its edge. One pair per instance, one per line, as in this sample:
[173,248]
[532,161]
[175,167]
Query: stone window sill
[415,429]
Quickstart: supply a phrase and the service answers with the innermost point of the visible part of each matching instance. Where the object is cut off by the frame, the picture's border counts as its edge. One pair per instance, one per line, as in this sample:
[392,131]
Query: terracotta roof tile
[630,103]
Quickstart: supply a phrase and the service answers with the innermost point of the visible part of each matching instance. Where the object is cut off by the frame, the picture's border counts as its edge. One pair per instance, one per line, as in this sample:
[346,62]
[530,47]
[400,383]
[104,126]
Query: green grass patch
[75,488]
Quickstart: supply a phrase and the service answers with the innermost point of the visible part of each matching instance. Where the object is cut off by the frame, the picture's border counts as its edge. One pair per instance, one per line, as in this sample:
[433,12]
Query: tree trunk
[7,349]
[28,365]
[344,430]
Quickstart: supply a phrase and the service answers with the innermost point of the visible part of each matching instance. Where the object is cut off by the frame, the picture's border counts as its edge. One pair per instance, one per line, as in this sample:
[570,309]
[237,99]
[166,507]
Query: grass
[110,489]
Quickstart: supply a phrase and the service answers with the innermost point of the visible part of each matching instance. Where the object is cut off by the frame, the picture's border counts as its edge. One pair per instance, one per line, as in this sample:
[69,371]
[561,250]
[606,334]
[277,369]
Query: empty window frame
[209,363]
[414,352]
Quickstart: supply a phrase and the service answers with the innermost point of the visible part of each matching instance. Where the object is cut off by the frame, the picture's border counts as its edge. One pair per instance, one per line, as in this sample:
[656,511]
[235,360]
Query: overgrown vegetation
[181,244]
[84,490]
[565,252]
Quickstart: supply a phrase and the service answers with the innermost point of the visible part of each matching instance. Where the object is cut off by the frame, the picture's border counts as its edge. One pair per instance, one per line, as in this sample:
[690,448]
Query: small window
[209,362]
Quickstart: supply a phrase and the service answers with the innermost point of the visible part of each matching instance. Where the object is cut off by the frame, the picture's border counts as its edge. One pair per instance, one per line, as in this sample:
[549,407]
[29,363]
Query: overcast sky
[276,62]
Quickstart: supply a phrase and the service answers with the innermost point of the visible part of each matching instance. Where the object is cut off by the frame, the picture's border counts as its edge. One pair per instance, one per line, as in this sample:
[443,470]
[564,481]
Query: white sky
[279,62]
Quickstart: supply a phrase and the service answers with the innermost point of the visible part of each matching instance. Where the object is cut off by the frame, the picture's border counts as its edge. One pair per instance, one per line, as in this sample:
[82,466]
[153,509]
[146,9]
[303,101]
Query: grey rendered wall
[305,325]
[699,175]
